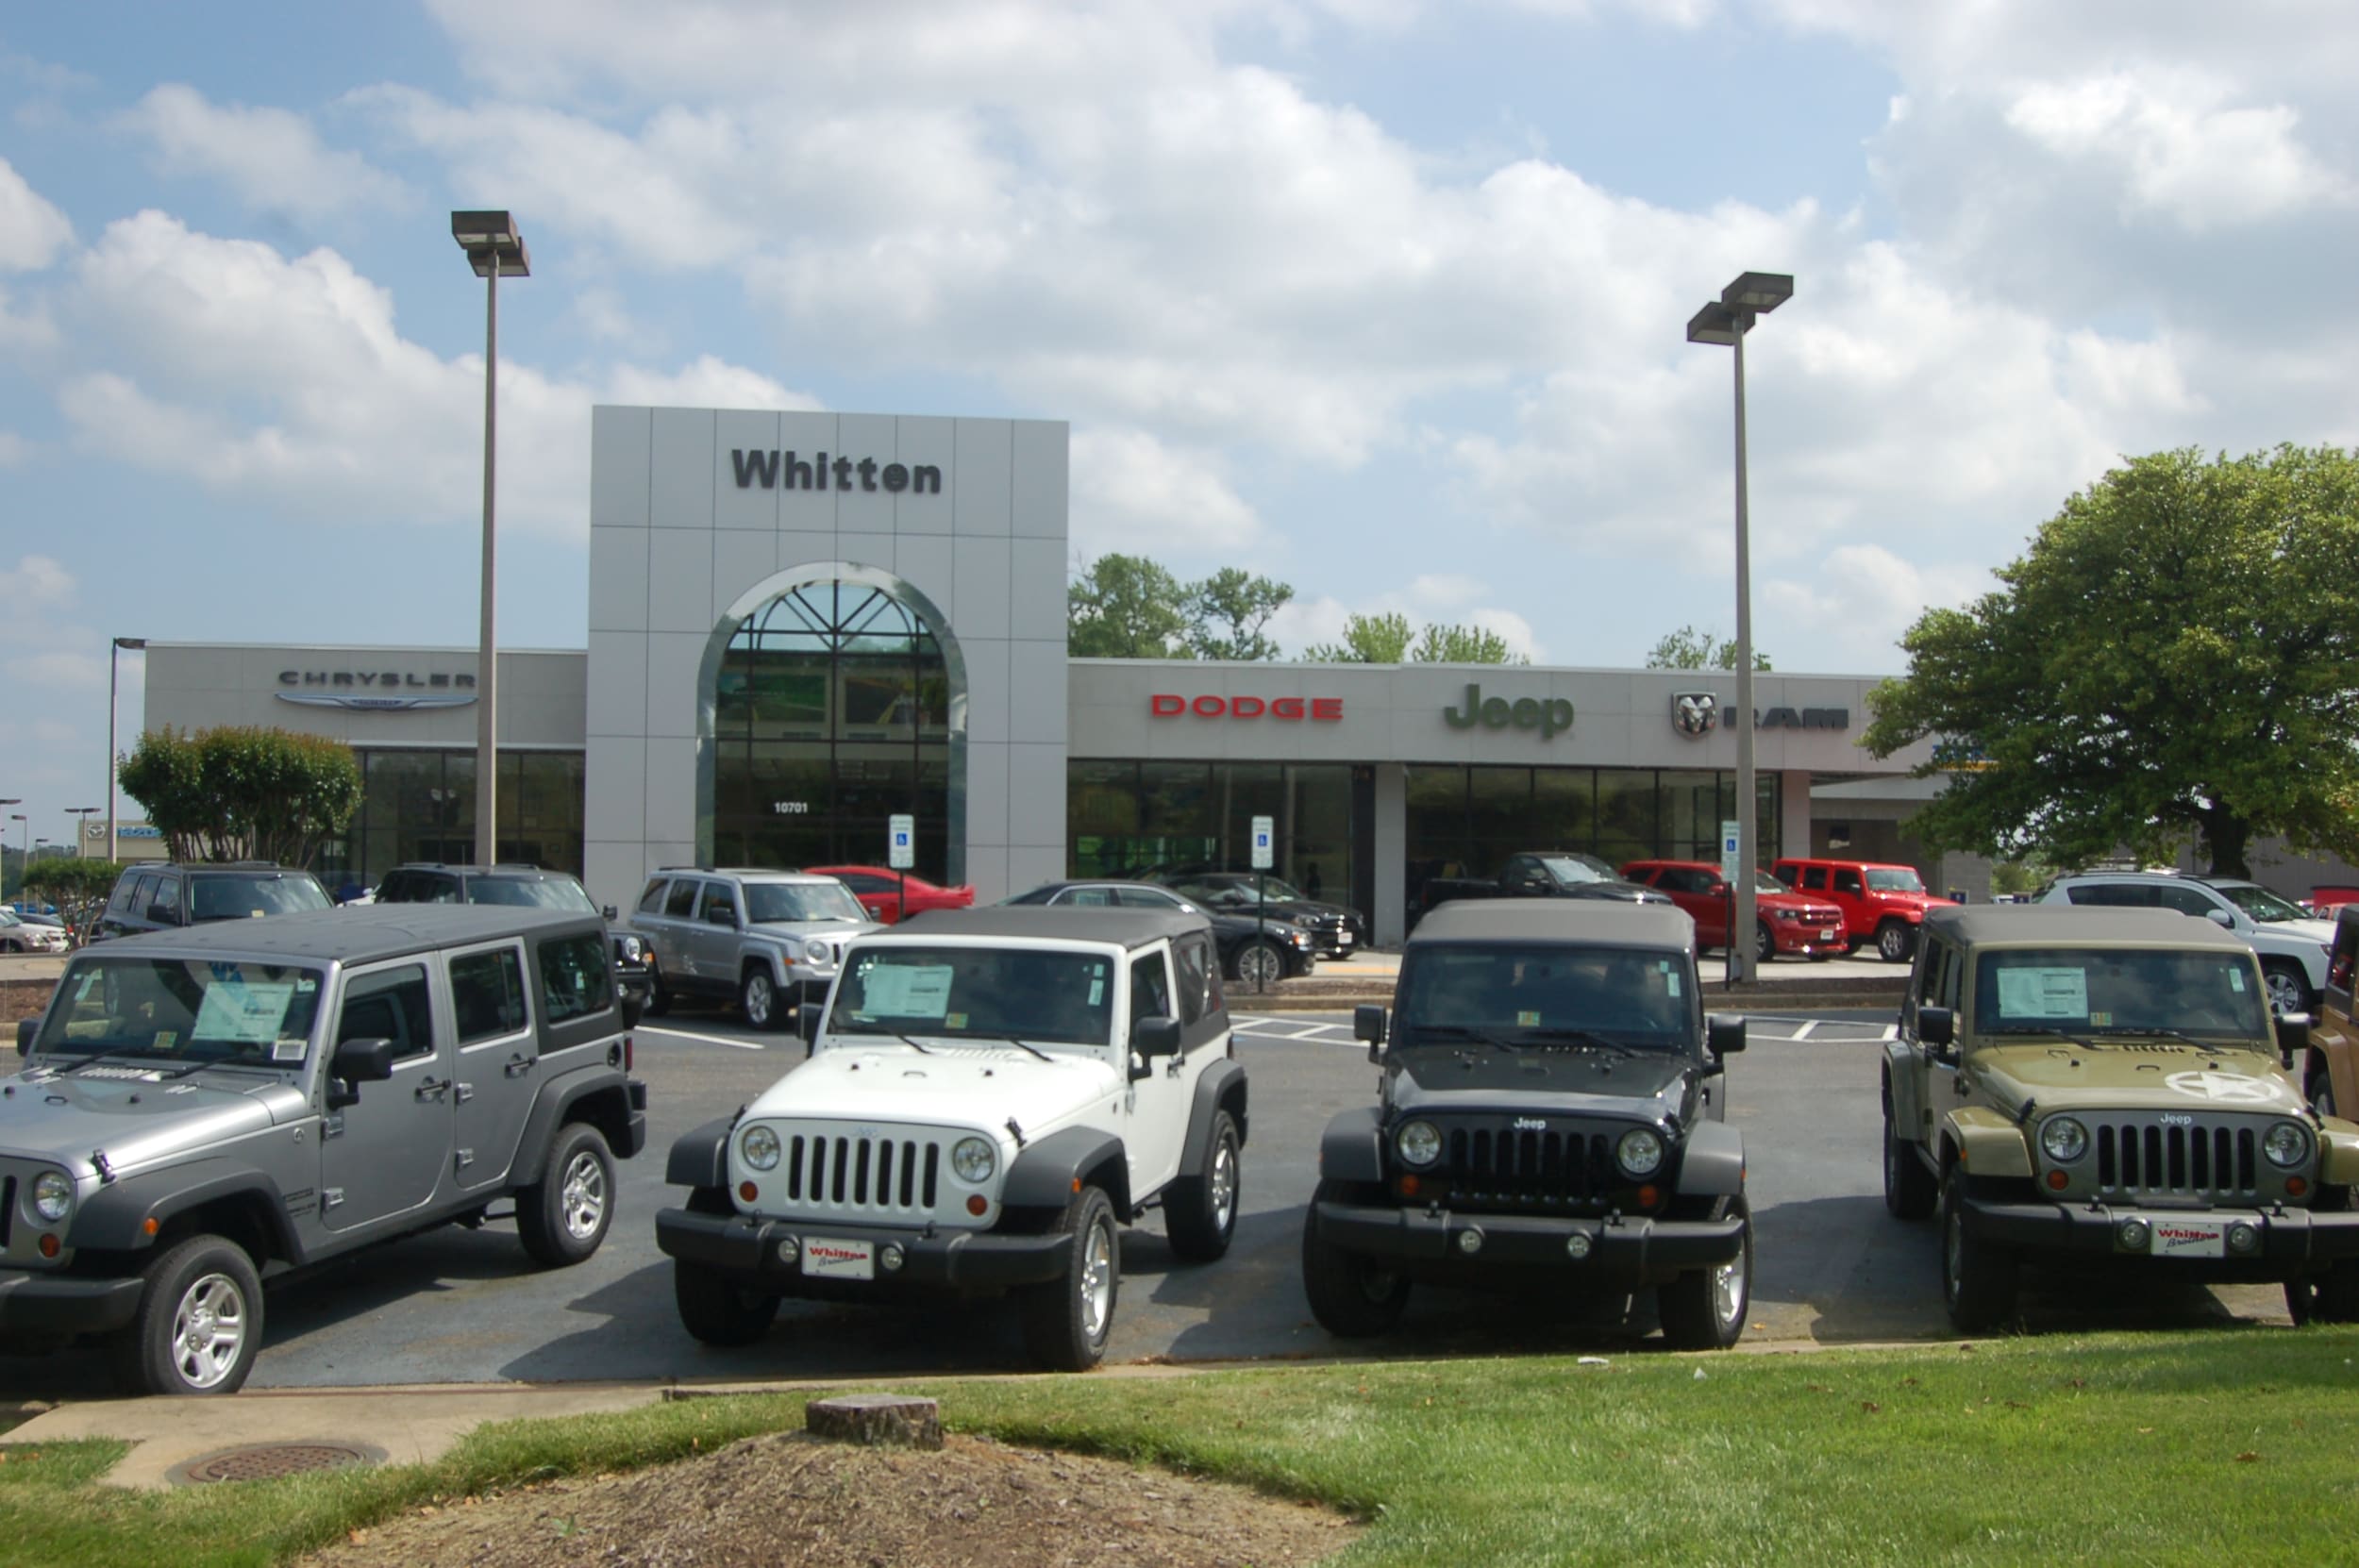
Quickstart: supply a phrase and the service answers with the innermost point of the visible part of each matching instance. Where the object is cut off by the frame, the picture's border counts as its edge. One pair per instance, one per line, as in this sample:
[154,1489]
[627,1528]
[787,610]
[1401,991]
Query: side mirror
[355,1062]
[2293,1037]
[1156,1037]
[608,913]
[1719,889]
[26,1029]
[1725,1033]
[1937,1026]
[2220,918]
[1367,1023]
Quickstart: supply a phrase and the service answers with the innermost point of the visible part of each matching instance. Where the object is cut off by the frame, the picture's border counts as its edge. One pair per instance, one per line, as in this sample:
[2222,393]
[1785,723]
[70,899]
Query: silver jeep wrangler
[199,1110]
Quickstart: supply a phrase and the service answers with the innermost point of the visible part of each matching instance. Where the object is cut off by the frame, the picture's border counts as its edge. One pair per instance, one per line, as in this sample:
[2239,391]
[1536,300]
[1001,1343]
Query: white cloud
[1860,598]
[1134,494]
[272,158]
[1513,630]
[33,231]
[706,383]
[1444,590]
[38,583]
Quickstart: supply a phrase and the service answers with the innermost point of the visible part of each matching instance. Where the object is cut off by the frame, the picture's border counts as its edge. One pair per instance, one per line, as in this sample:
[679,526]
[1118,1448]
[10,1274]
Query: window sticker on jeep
[2235,981]
[2044,992]
[1527,1020]
[1098,991]
[236,1013]
[905,991]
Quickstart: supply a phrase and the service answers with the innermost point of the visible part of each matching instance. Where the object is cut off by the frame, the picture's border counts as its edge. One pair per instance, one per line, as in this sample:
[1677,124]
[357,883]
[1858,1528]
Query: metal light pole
[1726,321]
[495,250]
[85,812]
[23,856]
[114,656]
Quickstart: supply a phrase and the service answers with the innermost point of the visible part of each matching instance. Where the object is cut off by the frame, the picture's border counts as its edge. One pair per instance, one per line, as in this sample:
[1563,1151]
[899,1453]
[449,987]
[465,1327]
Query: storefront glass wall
[1159,819]
[418,805]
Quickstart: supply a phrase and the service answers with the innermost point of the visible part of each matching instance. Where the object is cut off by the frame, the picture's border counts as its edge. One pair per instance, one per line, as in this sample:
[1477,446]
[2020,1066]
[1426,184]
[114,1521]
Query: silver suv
[2291,943]
[768,940]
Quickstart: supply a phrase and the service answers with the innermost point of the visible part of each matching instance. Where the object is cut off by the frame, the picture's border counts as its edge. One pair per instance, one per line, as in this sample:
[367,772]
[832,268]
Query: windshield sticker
[287,1050]
[1527,1019]
[2235,981]
[165,1038]
[1097,989]
[240,1014]
[906,991]
[2043,994]
[1671,979]
[954,1019]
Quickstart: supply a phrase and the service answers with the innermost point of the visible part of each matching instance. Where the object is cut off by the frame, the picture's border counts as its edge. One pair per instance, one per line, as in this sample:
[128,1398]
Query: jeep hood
[959,1084]
[2160,1076]
[1543,1082]
[136,1121]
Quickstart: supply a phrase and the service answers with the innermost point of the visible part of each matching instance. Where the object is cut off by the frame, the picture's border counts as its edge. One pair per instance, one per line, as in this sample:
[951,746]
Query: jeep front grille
[1507,1166]
[893,1177]
[2208,1160]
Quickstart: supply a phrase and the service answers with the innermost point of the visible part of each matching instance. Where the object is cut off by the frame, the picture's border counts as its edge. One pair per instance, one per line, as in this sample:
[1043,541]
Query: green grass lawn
[2225,1448]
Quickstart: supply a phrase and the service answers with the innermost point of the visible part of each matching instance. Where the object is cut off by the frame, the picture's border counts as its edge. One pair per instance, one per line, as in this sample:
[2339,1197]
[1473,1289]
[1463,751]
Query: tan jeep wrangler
[2104,1089]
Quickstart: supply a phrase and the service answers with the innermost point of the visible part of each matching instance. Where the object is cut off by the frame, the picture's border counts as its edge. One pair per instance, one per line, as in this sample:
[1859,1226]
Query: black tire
[759,999]
[2289,988]
[1069,1321]
[1909,1190]
[1260,964]
[1704,1308]
[715,1310]
[199,1324]
[1352,1296]
[1765,944]
[2337,1299]
[1978,1279]
[658,998]
[631,1009]
[1200,1212]
[565,1215]
[1896,942]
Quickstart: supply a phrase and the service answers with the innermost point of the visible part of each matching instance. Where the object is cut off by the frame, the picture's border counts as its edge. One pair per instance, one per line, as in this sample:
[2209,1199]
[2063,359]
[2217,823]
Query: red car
[880,892]
[1787,921]
[1883,903]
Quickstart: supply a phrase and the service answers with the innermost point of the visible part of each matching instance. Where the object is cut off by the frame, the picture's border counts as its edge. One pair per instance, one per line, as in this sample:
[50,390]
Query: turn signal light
[1407,1187]
[2057,1180]
[49,1246]
[2295,1186]
[976,1204]
[1650,1195]
[747,1191]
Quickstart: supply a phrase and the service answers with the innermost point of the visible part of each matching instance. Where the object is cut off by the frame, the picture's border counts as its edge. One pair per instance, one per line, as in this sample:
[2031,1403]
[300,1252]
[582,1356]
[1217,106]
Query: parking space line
[1802,1031]
[708,1039]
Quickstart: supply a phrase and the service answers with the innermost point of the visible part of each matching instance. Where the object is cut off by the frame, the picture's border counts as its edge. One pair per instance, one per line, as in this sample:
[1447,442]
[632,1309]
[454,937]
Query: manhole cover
[262,1461]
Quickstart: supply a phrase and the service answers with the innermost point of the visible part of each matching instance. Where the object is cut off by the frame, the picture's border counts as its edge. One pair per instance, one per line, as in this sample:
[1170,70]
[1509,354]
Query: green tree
[1126,607]
[1227,612]
[1390,639]
[78,888]
[239,793]
[2176,657]
[1690,649]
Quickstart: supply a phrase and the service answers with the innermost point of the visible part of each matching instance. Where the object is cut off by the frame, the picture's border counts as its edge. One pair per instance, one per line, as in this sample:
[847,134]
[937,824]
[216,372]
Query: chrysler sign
[375,691]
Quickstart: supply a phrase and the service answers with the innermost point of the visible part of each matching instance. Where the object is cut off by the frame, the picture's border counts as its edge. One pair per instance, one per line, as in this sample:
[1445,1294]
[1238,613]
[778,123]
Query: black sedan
[1335,930]
[1258,952]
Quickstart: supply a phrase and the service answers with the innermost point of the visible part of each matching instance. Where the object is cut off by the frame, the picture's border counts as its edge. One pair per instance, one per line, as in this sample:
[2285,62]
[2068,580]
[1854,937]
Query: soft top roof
[2072,924]
[1607,922]
[1126,928]
[352,934]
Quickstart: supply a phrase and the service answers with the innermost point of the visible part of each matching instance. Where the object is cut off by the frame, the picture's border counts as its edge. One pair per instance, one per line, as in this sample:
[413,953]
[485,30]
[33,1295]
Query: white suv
[768,940]
[2291,943]
[992,1095]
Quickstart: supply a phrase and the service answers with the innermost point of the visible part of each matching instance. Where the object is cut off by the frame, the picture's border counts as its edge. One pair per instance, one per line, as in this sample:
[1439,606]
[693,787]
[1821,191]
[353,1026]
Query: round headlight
[631,948]
[816,950]
[760,1146]
[53,1196]
[2286,1145]
[1419,1143]
[974,1160]
[1640,1152]
[2064,1139]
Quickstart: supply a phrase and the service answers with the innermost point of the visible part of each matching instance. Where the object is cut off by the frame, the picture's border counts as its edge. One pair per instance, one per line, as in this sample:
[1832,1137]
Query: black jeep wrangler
[1550,1120]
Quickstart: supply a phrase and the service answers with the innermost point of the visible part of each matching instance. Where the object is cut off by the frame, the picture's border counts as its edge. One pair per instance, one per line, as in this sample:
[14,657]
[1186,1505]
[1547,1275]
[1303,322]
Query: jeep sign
[1548,715]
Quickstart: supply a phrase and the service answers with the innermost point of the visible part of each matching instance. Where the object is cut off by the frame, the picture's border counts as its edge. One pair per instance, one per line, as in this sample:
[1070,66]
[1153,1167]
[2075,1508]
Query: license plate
[1827,934]
[825,1258]
[2191,1238]
[1343,939]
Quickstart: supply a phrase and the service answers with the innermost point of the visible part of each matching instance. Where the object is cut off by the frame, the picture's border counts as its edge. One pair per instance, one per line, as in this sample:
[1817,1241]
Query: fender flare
[700,1157]
[1222,1082]
[115,1219]
[1986,1141]
[1712,1165]
[1045,1171]
[550,1111]
[1351,1148]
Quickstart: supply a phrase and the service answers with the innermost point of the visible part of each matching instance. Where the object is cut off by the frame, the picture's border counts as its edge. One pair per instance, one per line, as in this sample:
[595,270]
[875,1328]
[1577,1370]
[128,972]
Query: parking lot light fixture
[1724,322]
[85,812]
[494,249]
[113,655]
[25,852]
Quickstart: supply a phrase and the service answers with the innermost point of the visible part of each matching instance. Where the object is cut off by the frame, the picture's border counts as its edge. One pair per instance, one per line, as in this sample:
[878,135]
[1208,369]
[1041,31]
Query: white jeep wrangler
[991,1096]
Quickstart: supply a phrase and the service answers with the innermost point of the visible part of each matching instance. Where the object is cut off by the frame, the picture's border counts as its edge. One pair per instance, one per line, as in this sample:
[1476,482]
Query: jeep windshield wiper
[1566,1034]
[1011,1039]
[1467,1031]
[176,1067]
[2245,1042]
[2052,1034]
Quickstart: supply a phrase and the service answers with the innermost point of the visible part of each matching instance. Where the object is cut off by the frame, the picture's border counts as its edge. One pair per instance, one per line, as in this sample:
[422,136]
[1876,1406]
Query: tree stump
[875,1420]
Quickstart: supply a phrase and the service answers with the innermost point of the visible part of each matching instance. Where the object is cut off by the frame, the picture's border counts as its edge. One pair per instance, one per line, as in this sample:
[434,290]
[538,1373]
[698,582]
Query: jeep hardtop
[991,1096]
[200,1108]
[2104,1088]
[1552,1119]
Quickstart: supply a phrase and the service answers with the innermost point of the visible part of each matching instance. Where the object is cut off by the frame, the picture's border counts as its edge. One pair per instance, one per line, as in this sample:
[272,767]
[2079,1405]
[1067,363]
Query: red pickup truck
[1883,904]
[1786,922]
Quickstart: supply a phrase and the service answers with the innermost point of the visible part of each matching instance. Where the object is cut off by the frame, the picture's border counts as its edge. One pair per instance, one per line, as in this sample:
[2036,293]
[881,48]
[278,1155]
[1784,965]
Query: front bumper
[42,1305]
[1638,1250]
[1808,937]
[746,1250]
[2293,1241]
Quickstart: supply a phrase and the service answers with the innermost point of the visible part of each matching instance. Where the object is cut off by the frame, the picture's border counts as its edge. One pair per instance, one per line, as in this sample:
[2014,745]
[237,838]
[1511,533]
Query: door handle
[433,1089]
[518,1066]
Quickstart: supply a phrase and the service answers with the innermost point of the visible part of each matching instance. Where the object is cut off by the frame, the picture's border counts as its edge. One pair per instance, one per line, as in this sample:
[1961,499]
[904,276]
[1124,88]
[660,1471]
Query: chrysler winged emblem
[1695,714]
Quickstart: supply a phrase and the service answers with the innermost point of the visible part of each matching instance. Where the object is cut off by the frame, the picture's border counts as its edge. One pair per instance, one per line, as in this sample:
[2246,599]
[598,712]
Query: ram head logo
[1695,714]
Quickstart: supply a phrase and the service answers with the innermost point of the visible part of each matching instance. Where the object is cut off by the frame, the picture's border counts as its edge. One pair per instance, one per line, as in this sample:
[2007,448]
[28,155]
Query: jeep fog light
[2285,1144]
[53,1196]
[1640,1152]
[2064,1139]
[1470,1242]
[973,1159]
[2243,1238]
[1577,1246]
[1419,1143]
[760,1148]
[890,1256]
[789,1249]
[2134,1235]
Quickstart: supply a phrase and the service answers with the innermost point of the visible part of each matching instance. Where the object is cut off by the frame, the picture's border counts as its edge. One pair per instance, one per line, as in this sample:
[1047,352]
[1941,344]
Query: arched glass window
[832,713]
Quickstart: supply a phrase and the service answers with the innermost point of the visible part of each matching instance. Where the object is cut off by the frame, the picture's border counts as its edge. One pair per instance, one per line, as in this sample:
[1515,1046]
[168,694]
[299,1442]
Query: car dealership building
[800,624]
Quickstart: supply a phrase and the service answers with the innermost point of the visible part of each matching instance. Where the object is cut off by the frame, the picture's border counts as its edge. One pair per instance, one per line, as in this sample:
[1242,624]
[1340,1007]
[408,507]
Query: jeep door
[493,1015]
[1927,1080]
[384,1155]
[712,942]
[1160,1087]
[668,926]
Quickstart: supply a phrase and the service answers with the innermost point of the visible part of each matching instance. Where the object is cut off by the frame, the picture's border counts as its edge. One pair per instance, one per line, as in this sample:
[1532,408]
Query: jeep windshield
[1571,871]
[2051,991]
[1894,880]
[186,1013]
[1530,995]
[244,895]
[2261,903]
[800,903]
[1036,996]
[549,893]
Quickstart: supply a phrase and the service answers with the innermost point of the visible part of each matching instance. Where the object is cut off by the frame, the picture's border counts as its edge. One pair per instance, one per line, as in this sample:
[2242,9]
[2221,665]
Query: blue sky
[1384,299]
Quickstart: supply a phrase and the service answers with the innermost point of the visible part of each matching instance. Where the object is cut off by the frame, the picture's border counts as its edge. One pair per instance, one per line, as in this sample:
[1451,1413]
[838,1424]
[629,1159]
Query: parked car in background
[523,887]
[1883,904]
[1334,929]
[20,934]
[2328,896]
[1785,921]
[770,941]
[1258,951]
[2291,942]
[2331,1074]
[1540,873]
[168,897]
[888,895]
